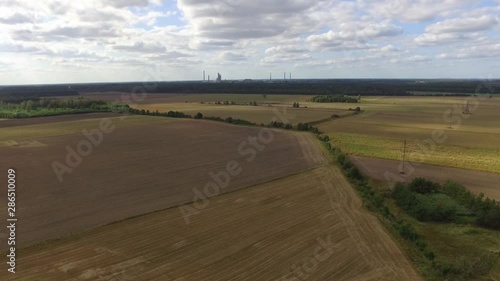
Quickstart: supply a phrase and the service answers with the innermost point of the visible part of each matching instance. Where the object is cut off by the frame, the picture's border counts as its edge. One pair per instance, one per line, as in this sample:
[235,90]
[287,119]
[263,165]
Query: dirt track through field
[475,181]
[268,232]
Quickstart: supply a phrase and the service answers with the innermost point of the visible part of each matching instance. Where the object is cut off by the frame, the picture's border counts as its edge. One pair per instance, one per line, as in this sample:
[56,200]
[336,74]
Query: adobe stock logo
[74,157]
[304,269]
[250,148]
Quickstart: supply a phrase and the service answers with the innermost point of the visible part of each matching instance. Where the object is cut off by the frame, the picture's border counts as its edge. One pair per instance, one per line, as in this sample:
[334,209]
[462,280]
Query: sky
[63,41]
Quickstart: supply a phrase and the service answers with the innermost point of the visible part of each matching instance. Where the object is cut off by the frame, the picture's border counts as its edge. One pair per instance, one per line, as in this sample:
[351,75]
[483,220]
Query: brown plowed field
[273,231]
[475,181]
[135,170]
[54,119]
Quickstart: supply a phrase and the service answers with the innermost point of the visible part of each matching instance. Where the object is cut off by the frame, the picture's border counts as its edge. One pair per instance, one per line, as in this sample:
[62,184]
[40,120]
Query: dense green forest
[353,87]
[50,106]
[451,202]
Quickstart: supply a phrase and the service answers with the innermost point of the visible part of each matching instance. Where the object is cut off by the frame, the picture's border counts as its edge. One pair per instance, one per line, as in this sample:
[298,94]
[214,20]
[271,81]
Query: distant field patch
[205,103]
[473,158]
[257,114]
[19,130]
[387,121]
[476,181]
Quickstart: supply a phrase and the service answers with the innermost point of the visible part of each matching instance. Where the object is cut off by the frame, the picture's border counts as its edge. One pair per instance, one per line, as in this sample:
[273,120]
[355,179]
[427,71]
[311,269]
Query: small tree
[29,105]
[198,116]
[422,185]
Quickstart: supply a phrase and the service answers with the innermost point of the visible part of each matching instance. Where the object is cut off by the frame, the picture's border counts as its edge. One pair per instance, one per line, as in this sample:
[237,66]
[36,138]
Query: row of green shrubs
[417,200]
[487,210]
[421,206]
[376,202]
[252,103]
[236,121]
[230,120]
[334,98]
[178,114]
[299,127]
[277,124]
[172,114]
[373,200]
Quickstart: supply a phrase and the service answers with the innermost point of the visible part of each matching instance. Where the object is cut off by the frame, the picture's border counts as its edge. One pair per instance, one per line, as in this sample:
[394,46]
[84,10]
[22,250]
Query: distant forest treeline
[52,106]
[297,87]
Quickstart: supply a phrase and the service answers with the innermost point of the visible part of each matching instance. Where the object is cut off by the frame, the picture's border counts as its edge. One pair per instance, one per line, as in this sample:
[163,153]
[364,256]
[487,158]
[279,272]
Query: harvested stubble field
[475,181]
[270,230]
[257,114]
[53,119]
[266,232]
[145,164]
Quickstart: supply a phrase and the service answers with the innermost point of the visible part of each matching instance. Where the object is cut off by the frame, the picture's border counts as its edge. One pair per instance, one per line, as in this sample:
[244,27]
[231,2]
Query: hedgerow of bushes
[487,214]
[334,98]
[421,206]
[415,199]
[373,199]
[236,121]
[37,107]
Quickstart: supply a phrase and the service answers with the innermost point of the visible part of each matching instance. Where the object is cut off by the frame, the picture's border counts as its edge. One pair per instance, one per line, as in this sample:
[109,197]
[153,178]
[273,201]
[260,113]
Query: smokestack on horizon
[203,75]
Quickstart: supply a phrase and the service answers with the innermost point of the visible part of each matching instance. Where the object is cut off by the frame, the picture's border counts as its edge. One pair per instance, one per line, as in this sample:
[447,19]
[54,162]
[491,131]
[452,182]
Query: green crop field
[435,129]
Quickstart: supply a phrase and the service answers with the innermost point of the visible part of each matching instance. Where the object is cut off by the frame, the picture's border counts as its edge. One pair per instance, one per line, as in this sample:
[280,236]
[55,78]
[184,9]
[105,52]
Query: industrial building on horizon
[219,78]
